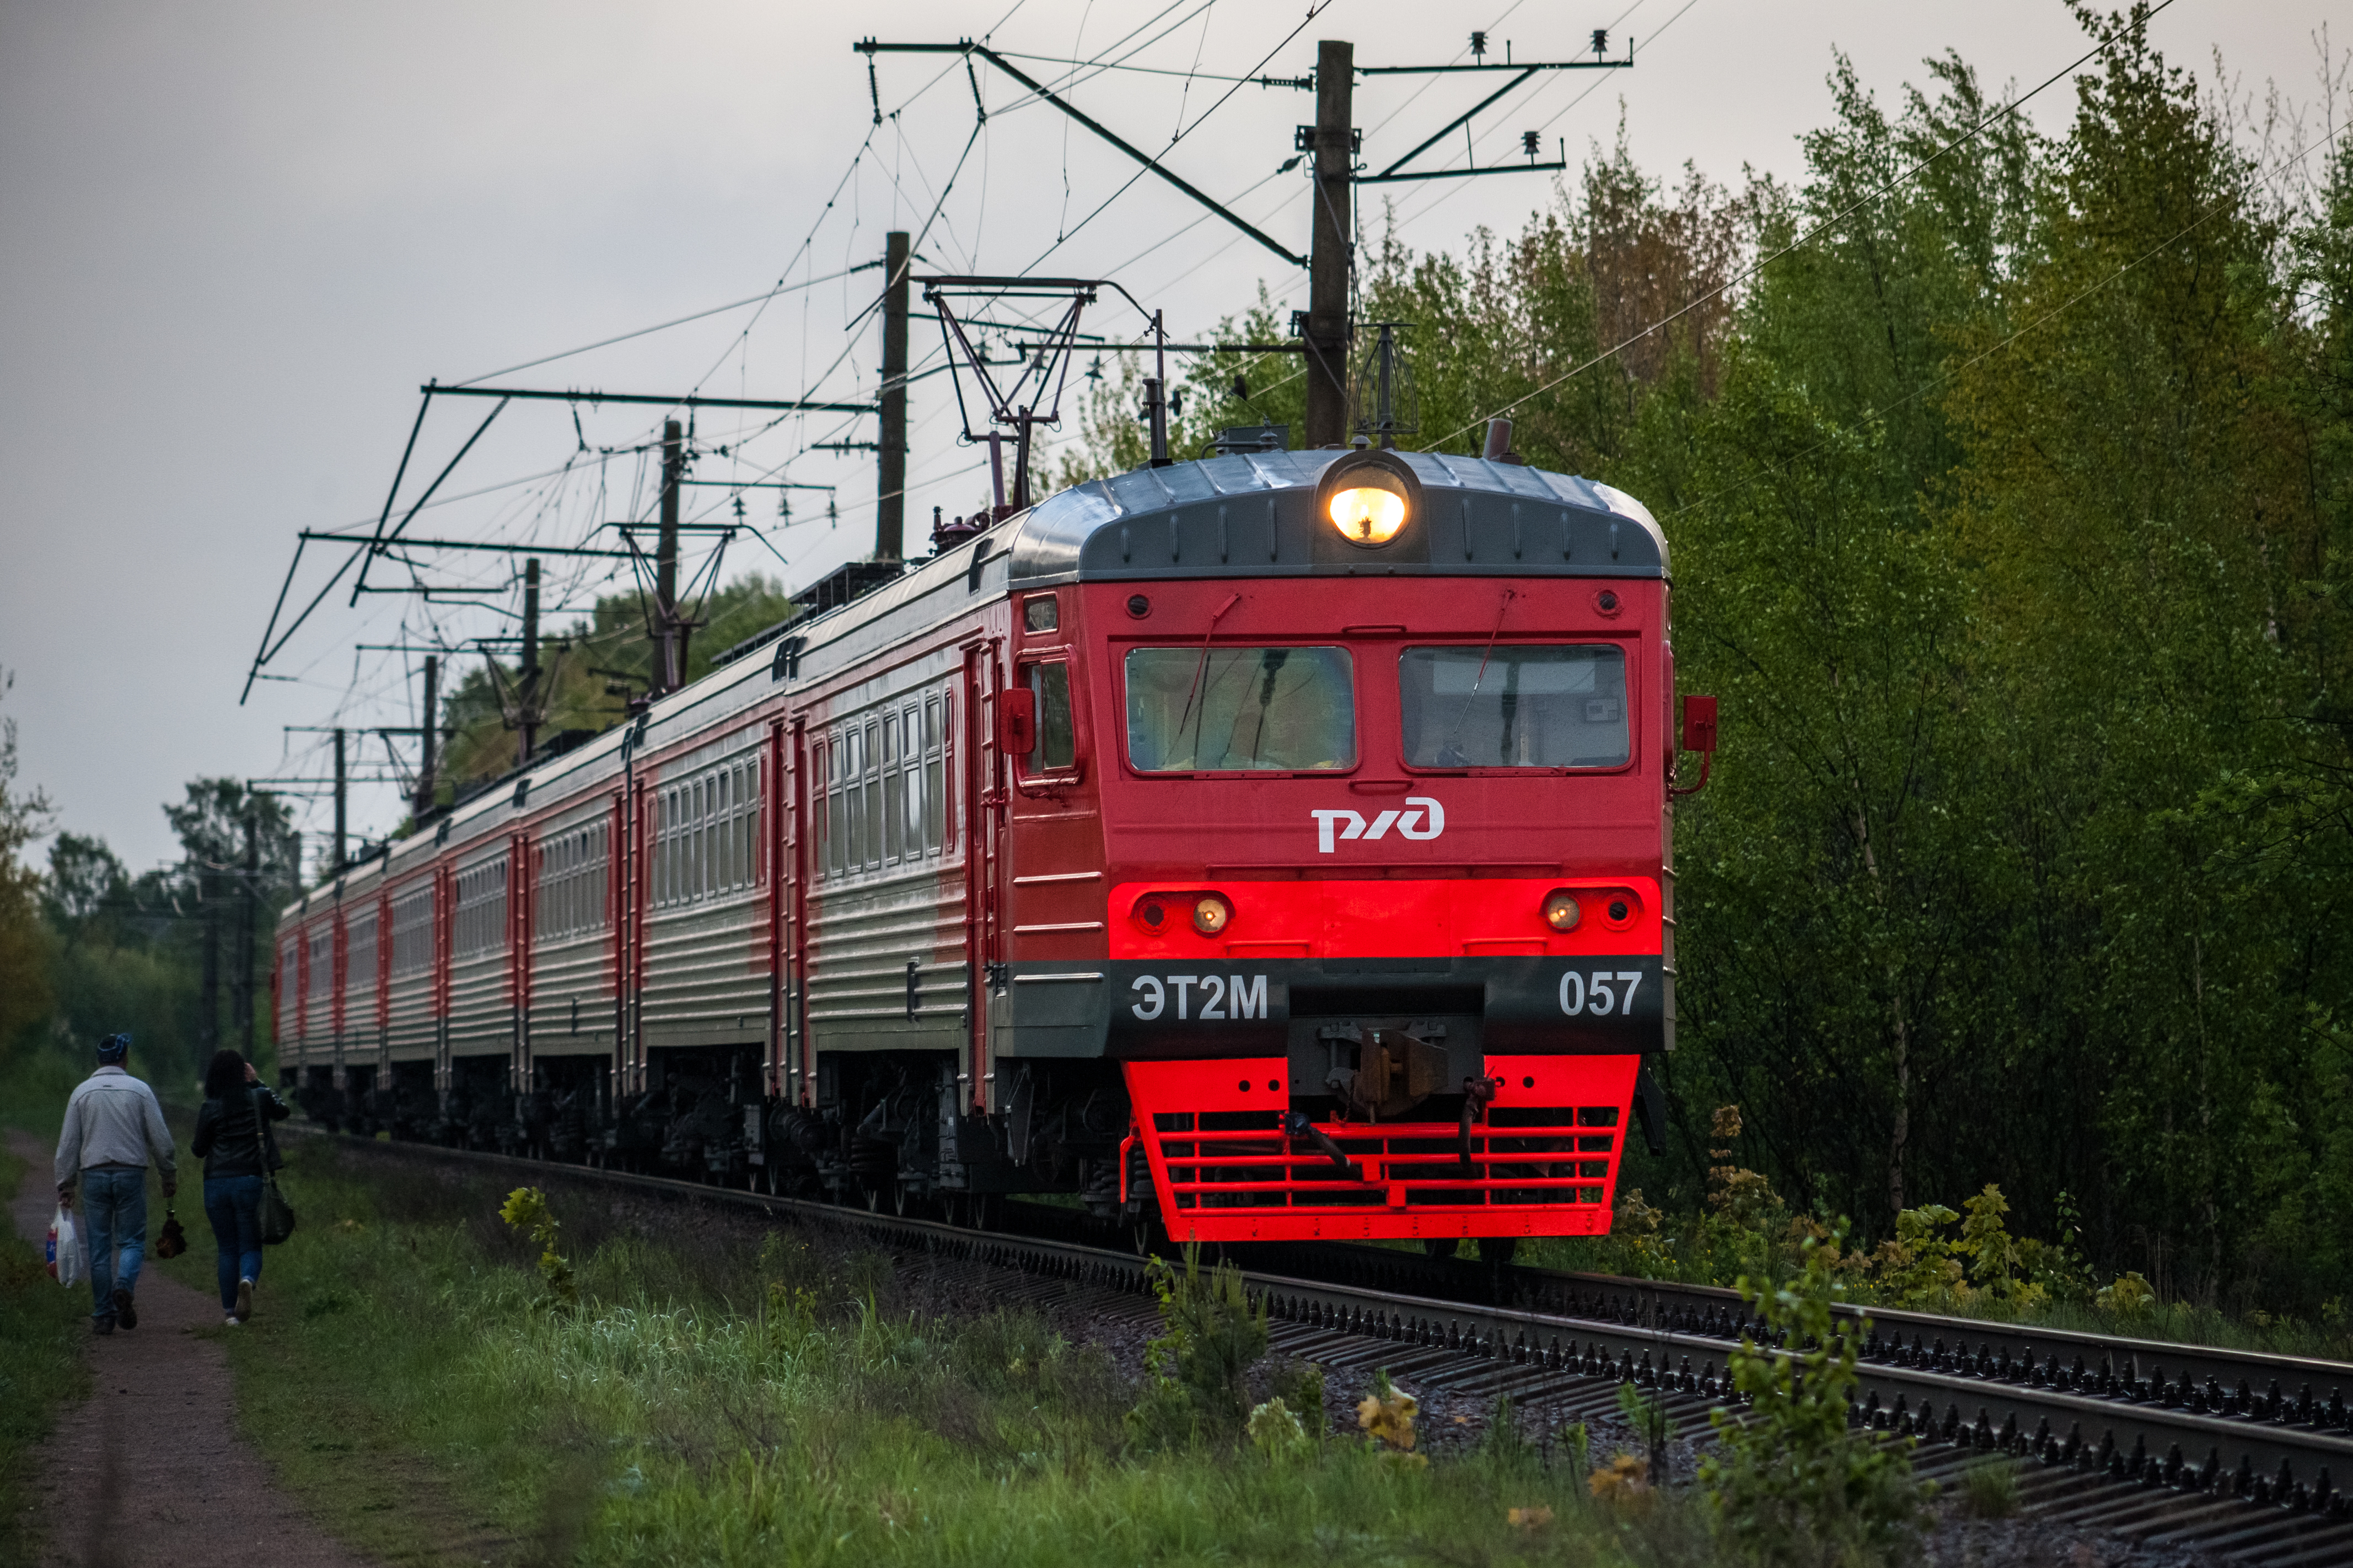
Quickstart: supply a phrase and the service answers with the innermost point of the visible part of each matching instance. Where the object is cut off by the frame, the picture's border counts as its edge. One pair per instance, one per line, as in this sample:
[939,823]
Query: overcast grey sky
[235,238]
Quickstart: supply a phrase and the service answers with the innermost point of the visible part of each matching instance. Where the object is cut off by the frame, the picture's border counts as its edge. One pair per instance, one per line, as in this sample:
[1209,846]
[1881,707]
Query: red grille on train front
[1544,1155]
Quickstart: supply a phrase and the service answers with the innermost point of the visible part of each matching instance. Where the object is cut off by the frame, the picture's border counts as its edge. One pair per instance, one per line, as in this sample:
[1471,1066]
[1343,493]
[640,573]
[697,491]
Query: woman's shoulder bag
[277,1214]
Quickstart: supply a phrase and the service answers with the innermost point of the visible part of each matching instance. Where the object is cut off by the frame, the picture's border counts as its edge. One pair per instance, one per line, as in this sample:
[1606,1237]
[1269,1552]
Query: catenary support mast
[669,628]
[429,724]
[1326,338]
[891,459]
[527,709]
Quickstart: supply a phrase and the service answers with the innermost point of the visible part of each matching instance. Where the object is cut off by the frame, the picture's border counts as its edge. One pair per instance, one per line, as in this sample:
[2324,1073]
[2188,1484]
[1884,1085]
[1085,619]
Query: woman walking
[234,1142]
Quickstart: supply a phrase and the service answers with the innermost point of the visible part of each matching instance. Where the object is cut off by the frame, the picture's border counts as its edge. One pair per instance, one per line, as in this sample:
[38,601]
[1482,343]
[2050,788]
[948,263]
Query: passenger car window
[1527,707]
[1057,740]
[1281,710]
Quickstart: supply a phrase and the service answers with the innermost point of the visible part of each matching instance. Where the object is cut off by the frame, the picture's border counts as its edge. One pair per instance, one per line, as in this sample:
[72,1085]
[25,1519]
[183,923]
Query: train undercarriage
[1354,1128]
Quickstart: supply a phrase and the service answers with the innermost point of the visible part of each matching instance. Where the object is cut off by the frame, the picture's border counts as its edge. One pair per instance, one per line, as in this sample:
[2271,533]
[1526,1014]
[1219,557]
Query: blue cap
[113,1049]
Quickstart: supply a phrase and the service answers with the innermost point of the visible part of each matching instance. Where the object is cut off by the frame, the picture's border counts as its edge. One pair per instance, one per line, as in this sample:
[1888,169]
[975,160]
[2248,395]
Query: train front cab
[1384,901]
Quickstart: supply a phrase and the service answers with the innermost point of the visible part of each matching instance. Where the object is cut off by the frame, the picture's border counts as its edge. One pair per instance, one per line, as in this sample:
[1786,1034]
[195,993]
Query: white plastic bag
[68,1260]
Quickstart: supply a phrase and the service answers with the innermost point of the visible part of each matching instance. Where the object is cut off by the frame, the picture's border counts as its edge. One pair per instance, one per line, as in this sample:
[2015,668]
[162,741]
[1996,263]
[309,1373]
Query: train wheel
[953,1209]
[1147,1234]
[1441,1245]
[873,1199]
[987,1211]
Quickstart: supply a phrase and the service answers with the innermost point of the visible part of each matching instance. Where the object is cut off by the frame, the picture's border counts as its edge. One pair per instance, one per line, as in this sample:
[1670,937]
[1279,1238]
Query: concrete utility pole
[670,630]
[891,459]
[343,794]
[1326,337]
[430,727]
[241,995]
[208,996]
[527,688]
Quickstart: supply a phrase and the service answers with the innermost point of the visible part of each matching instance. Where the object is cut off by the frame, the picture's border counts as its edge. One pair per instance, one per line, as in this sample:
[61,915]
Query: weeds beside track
[2115,1445]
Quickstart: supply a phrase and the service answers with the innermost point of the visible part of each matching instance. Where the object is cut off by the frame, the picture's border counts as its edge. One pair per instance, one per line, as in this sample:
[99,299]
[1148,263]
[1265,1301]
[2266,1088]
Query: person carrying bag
[113,1130]
[241,1196]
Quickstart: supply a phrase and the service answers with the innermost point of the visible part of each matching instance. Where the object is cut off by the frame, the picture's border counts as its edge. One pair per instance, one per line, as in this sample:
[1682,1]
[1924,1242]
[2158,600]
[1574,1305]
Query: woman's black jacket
[227,1140]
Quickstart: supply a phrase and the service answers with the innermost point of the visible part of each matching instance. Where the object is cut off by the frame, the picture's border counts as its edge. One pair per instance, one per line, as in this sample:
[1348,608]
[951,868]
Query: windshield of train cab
[1513,706]
[1254,709]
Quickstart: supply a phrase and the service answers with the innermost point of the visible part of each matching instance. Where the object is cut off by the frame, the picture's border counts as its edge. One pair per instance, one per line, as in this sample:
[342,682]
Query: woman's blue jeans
[234,1206]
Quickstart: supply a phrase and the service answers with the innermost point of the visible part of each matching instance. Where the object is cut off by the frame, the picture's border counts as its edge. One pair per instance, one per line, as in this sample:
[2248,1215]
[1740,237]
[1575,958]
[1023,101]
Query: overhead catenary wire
[1313,10]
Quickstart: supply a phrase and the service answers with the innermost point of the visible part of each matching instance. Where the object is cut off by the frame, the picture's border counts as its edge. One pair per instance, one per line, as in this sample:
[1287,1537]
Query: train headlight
[1560,910]
[1372,498]
[1210,914]
[1368,513]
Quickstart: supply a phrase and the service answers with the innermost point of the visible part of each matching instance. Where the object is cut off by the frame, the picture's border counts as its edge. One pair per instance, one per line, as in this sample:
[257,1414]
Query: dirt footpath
[150,1470]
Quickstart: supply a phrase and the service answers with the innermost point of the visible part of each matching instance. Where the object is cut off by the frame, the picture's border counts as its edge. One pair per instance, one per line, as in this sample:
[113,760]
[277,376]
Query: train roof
[1253,515]
[1242,515]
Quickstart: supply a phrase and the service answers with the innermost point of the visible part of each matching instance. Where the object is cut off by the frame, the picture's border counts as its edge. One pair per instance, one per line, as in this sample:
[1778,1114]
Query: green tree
[86,888]
[24,817]
[1843,926]
[2138,514]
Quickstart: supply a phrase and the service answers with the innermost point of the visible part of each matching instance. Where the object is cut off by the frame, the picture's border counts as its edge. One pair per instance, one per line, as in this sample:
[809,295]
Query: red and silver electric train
[1268,846]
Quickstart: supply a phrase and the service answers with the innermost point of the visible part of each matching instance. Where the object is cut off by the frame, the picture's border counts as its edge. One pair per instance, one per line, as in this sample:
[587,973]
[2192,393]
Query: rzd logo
[1409,823]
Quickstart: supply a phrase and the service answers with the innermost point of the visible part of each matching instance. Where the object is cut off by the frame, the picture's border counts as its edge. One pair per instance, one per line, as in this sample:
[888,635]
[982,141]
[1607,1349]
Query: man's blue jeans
[234,1206]
[114,1212]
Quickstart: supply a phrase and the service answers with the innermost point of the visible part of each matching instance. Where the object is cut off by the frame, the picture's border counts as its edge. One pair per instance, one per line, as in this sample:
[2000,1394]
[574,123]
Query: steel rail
[2246,1487]
[2072,1359]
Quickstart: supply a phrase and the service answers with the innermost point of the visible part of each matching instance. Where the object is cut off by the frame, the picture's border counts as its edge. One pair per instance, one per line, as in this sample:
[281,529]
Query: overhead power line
[1151,162]
[760,298]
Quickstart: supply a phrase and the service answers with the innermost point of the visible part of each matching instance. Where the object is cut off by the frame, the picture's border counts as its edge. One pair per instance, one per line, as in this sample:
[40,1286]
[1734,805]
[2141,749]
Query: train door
[984,795]
[628,1047]
[437,990]
[789,1071]
[522,890]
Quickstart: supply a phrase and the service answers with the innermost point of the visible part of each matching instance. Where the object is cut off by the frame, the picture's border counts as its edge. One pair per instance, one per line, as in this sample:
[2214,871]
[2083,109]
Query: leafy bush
[2128,1297]
[526,1210]
[1387,1415]
[1791,1481]
[1194,1371]
[1276,1431]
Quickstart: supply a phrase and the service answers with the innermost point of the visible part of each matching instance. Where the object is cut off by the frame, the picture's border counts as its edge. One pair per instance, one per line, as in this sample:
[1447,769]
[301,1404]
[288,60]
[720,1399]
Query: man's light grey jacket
[113,1119]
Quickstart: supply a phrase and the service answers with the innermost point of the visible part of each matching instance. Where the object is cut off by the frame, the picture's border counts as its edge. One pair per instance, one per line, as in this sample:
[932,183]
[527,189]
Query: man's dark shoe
[102,1325]
[124,1312]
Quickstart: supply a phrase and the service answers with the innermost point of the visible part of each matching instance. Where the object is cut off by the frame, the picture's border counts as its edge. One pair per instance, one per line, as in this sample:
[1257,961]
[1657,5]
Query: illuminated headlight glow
[1210,914]
[1367,514]
[1560,910]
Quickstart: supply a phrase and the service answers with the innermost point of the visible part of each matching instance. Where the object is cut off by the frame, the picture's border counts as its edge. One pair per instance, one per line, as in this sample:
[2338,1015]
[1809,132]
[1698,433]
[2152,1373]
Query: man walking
[112,1126]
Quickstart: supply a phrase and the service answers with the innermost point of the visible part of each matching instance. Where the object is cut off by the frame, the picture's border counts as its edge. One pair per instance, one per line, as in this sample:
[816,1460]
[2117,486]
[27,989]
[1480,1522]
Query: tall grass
[42,1328]
[723,1395]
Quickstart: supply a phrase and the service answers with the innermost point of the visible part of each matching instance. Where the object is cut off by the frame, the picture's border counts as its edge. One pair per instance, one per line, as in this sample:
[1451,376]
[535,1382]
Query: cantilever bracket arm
[967,48]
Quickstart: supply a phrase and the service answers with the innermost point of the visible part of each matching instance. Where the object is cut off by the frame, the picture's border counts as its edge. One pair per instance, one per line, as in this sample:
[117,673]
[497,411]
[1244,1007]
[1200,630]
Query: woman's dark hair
[225,1077]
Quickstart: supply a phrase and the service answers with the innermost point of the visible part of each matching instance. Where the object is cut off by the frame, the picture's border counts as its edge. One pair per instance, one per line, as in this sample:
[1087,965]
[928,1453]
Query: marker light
[1560,910]
[1367,514]
[1210,914]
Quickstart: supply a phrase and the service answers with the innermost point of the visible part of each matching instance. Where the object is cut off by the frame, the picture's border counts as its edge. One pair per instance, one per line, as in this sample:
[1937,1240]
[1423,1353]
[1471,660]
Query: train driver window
[1278,710]
[1474,707]
[1058,738]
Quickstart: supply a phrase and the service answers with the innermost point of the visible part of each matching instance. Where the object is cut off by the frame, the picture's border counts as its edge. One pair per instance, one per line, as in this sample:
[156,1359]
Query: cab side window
[1057,740]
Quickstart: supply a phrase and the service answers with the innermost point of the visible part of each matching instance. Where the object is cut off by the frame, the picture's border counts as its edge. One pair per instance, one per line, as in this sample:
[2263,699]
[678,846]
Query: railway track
[2235,1454]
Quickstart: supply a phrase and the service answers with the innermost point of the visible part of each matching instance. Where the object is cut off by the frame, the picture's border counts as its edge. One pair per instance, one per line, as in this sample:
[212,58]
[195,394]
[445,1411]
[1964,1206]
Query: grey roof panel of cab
[1252,514]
